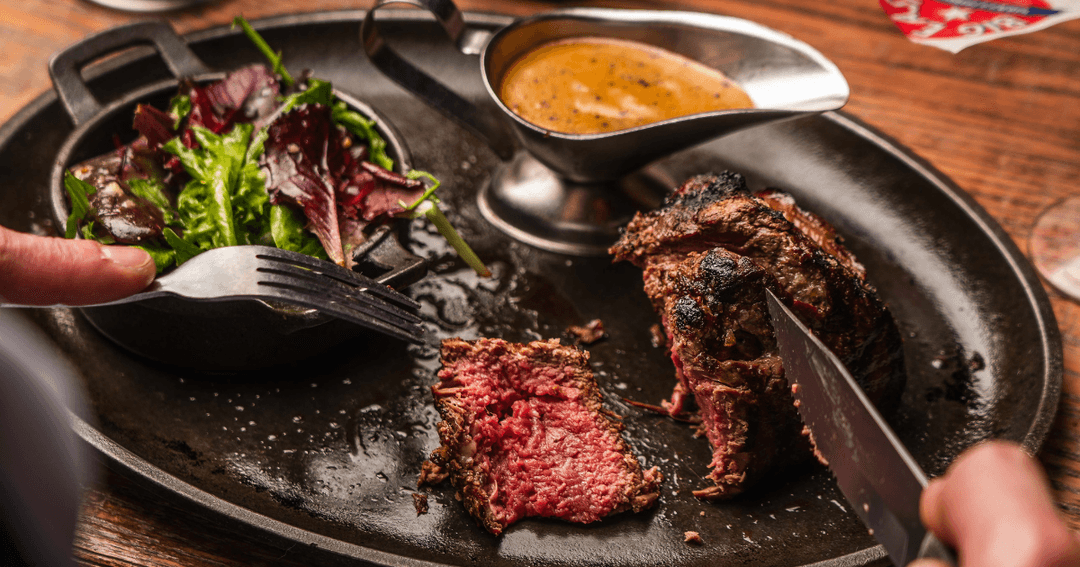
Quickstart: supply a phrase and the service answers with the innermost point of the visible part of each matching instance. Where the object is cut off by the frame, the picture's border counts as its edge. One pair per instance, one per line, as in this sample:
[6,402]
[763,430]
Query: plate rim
[1037,297]
[114,453]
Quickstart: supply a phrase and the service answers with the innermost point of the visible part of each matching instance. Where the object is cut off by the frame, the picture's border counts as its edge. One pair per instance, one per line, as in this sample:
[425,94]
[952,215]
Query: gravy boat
[571,193]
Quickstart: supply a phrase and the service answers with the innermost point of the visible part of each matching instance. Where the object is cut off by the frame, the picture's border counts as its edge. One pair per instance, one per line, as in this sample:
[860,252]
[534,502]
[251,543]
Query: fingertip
[997,451]
[134,260]
[930,505]
[38,270]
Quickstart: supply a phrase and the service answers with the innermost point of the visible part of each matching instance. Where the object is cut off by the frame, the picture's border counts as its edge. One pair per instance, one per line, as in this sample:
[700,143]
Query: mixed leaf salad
[256,158]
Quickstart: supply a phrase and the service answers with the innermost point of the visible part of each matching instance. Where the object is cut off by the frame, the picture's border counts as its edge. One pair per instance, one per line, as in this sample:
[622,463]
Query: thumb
[38,270]
[994,506]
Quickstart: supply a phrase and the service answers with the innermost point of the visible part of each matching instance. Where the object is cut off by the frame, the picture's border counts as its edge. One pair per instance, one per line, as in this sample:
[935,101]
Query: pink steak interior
[539,439]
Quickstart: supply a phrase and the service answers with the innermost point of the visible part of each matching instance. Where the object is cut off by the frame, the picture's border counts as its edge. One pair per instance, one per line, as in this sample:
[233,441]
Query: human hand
[38,270]
[995,508]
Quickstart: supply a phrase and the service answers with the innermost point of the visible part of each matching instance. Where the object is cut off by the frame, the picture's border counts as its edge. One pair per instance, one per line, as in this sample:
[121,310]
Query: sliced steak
[707,255]
[725,356]
[524,434]
[814,227]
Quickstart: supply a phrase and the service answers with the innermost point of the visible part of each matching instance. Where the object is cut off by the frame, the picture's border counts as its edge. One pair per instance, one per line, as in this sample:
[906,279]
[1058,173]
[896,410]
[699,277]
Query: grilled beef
[524,434]
[707,256]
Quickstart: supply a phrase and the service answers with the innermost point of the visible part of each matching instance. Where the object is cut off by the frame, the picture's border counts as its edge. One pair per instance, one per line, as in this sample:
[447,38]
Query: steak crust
[707,256]
[524,434]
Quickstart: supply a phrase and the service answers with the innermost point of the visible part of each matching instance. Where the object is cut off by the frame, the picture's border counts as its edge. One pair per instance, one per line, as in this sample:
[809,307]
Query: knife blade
[873,469]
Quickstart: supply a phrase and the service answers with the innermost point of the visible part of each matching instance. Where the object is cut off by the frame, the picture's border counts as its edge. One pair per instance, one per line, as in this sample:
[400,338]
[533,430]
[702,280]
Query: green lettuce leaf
[225,202]
[179,108]
[183,250]
[79,191]
[287,230]
[153,190]
[163,256]
[317,92]
[364,129]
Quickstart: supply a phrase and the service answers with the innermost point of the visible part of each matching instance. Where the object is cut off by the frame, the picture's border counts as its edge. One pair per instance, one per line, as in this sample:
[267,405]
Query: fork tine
[349,310]
[314,281]
[338,273]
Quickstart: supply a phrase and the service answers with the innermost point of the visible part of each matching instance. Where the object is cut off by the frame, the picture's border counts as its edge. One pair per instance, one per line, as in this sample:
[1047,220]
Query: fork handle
[152,291]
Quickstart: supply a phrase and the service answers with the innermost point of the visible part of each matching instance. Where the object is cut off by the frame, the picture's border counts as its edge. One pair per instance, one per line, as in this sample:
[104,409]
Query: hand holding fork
[38,271]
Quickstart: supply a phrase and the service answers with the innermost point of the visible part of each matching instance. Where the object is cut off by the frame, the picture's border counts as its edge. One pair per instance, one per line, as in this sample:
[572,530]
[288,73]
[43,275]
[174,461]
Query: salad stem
[436,216]
[267,51]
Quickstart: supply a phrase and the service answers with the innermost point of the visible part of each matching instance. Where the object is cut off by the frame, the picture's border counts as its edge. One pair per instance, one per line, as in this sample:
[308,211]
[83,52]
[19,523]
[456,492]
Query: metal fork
[261,272]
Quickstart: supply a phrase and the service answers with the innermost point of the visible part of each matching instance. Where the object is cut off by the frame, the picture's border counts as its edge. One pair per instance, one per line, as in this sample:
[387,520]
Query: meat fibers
[524,434]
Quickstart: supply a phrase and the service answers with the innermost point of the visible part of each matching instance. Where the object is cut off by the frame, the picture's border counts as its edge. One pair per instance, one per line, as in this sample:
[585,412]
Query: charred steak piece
[814,227]
[725,356]
[524,434]
[707,255]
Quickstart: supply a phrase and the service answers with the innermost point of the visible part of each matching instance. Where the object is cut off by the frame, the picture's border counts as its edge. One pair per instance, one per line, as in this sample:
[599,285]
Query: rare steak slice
[524,434]
[711,225]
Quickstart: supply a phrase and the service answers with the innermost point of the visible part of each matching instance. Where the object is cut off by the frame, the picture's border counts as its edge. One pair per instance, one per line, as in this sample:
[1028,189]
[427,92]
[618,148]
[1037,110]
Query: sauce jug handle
[435,94]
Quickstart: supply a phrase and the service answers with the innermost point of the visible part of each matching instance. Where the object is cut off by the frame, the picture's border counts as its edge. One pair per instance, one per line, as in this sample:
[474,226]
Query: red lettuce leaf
[303,151]
[144,158]
[154,125]
[311,162]
[369,191]
[248,94]
[369,194]
[388,196]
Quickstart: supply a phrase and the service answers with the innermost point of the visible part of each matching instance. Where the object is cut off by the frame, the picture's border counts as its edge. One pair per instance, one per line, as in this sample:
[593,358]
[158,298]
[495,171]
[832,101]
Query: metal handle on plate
[65,67]
[422,85]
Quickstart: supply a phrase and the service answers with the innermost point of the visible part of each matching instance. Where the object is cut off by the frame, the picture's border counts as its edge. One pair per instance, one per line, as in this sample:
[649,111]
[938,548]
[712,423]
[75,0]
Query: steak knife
[873,469]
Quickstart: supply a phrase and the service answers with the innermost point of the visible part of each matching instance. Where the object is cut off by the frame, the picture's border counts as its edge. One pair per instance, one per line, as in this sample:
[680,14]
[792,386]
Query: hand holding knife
[994,502]
[873,469]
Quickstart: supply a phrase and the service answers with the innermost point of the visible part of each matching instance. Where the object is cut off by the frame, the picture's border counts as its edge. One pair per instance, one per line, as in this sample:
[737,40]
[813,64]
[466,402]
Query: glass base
[147,6]
[1055,246]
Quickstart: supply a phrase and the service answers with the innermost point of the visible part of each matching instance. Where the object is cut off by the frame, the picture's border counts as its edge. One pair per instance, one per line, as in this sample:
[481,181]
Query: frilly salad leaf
[287,230]
[179,108]
[153,190]
[225,203]
[163,256]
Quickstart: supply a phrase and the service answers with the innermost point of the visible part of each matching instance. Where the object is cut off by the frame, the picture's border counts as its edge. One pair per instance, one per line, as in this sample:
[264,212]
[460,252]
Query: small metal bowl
[225,336]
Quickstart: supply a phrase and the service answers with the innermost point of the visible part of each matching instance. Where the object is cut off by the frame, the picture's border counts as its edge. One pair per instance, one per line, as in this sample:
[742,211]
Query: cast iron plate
[327,452]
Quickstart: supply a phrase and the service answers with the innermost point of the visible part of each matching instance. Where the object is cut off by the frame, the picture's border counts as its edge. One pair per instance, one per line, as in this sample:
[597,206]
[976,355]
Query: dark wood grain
[1001,119]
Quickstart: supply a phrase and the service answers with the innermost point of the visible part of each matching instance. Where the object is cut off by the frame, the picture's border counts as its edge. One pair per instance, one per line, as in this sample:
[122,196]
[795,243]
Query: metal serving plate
[326,453]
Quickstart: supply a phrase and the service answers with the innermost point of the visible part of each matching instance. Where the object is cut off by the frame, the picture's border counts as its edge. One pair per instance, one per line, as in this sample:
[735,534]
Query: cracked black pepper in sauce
[589,85]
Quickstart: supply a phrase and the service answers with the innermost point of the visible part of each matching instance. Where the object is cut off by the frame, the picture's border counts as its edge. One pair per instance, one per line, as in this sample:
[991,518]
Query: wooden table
[1001,119]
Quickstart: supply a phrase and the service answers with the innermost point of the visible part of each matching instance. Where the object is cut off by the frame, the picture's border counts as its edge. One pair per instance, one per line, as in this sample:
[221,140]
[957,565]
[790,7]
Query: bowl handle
[66,67]
[426,88]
